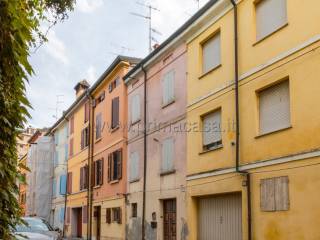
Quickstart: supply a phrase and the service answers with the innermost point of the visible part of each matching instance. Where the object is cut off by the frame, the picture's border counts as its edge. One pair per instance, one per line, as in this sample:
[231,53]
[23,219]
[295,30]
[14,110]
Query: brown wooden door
[79,222]
[170,219]
[98,222]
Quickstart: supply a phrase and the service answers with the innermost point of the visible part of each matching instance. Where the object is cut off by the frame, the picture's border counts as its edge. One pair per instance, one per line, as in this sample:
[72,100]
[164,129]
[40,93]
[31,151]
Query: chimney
[155,46]
[81,87]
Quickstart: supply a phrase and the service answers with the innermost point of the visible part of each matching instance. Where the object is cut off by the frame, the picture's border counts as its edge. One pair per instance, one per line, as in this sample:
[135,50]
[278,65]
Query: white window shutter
[274,104]
[211,128]
[134,166]
[135,108]
[167,155]
[168,87]
[211,55]
[270,15]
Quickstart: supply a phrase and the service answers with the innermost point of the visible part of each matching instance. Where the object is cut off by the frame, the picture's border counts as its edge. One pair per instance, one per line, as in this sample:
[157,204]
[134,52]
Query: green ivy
[19,34]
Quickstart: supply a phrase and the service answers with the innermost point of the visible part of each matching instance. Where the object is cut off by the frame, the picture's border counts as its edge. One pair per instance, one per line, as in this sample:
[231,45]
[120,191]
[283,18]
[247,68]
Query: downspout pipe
[90,166]
[144,153]
[90,145]
[237,142]
[65,197]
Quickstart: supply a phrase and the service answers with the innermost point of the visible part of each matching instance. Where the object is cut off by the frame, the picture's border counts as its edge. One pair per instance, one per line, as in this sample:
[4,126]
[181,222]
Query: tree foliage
[20,22]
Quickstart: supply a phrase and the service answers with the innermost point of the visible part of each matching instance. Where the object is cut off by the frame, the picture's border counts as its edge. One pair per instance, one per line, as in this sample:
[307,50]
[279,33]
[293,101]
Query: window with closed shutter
[115,166]
[274,194]
[211,53]
[167,155]
[168,88]
[134,166]
[71,147]
[84,137]
[270,16]
[63,184]
[115,113]
[98,126]
[108,215]
[211,130]
[84,214]
[71,125]
[274,108]
[135,108]
[98,169]
[86,112]
[69,183]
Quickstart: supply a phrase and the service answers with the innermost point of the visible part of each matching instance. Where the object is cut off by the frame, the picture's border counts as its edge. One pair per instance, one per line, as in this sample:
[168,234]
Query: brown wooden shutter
[71,147]
[109,166]
[68,216]
[108,215]
[69,182]
[81,178]
[82,139]
[85,214]
[101,171]
[71,125]
[119,215]
[119,163]
[95,171]
[115,112]
[86,112]
[86,177]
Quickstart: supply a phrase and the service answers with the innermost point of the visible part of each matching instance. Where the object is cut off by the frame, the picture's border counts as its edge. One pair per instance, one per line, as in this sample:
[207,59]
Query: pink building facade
[162,147]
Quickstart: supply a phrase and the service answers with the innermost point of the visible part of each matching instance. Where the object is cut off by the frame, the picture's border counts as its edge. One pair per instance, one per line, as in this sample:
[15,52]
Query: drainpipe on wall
[90,146]
[65,195]
[90,161]
[236,73]
[144,154]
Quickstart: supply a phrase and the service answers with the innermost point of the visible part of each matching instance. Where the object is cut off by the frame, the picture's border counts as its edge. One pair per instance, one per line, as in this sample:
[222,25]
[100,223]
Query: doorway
[170,219]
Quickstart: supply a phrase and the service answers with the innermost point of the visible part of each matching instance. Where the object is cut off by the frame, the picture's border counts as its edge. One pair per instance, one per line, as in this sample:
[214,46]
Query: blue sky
[85,44]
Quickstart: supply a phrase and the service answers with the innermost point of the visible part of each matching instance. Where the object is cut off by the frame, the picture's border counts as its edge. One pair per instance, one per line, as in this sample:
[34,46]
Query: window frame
[211,37]
[214,145]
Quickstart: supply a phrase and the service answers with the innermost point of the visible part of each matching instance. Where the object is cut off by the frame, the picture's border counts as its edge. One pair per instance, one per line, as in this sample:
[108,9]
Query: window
[134,210]
[98,172]
[69,183]
[86,111]
[115,83]
[211,53]
[71,125]
[61,215]
[56,139]
[84,138]
[108,215]
[115,166]
[115,113]
[135,108]
[274,194]
[167,155]
[211,130]
[71,147]
[270,16]
[134,166]
[98,125]
[83,178]
[84,214]
[66,152]
[100,98]
[168,88]
[116,215]
[274,108]
[63,185]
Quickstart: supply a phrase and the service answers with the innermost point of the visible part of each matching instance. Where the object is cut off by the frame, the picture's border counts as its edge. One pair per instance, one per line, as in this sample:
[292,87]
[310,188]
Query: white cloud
[88,6]
[56,48]
[91,75]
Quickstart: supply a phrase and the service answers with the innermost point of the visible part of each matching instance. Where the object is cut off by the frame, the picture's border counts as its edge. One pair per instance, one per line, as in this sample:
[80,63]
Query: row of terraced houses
[214,135]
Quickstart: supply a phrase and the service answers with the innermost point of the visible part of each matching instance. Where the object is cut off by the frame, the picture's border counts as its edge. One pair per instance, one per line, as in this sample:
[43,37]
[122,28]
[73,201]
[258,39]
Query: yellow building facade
[278,59]
[77,181]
